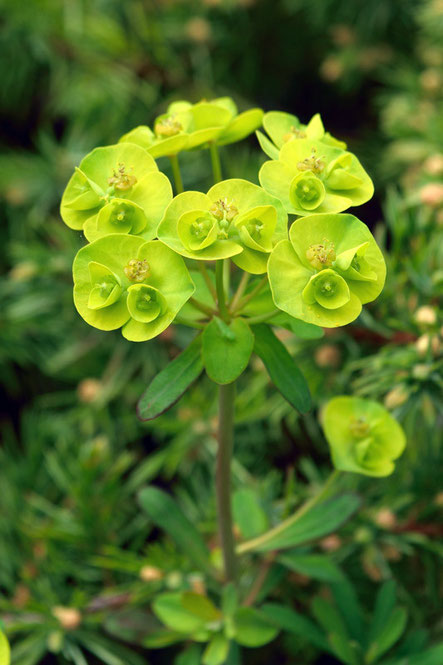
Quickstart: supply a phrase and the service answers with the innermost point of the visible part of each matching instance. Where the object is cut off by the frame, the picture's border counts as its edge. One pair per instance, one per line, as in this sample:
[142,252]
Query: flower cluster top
[139,269]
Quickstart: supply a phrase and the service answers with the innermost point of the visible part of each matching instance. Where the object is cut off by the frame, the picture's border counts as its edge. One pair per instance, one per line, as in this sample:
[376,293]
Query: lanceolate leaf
[165,513]
[318,566]
[282,368]
[318,522]
[389,635]
[292,622]
[170,384]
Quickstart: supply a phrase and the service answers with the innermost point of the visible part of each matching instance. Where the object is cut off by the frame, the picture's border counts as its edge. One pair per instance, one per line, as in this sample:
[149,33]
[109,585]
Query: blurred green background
[77,74]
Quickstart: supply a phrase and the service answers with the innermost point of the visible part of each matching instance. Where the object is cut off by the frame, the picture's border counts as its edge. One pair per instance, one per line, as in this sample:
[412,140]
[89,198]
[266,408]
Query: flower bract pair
[328,268]
[234,219]
[123,281]
[116,189]
[311,176]
[362,435]
[187,126]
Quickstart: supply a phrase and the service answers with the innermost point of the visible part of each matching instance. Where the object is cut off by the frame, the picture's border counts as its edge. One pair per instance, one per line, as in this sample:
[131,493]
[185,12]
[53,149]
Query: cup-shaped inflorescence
[284,127]
[187,126]
[311,176]
[125,282]
[234,219]
[362,435]
[328,268]
[116,189]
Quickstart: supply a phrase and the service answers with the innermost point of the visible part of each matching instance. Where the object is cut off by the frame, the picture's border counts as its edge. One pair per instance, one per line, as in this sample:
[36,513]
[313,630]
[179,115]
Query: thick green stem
[176,173]
[226,404]
[306,507]
[215,161]
[220,288]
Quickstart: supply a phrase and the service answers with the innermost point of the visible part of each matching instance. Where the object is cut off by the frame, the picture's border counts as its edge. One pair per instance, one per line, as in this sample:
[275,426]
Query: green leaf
[316,523]
[433,656]
[282,368]
[168,607]
[201,606]
[318,566]
[226,349]
[191,656]
[384,606]
[165,513]
[249,516]
[344,649]
[292,622]
[216,651]
[389,635]
[170,384]
[252,628]
[347,602]
[5,653]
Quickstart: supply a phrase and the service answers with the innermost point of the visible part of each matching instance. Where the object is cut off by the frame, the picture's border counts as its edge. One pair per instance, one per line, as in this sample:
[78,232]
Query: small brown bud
[432,194]
[68,617]
[327,355]
[150,574]
[385,519]
[425,315]
[88,390]
[331,543]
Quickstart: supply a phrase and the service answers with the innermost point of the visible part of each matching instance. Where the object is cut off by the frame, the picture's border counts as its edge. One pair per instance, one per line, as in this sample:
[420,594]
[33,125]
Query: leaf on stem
[282,369]
[169,385]
[226,349]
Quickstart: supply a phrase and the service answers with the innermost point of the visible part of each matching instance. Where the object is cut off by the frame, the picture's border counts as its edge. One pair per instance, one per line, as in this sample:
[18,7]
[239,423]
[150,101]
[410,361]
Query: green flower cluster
[187,126]
[328,268]
[363,436]
[321,273]
[310,171]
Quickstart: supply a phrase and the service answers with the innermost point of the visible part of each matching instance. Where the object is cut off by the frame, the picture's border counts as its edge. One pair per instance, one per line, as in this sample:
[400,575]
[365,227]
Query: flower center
[359,427]
[137,270]
[224,211]
[294,133]
[167,127]
[120,179]
[312,163]
[322,255]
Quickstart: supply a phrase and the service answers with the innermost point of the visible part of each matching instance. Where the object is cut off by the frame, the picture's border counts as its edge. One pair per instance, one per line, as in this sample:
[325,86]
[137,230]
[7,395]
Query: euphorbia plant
[232,265]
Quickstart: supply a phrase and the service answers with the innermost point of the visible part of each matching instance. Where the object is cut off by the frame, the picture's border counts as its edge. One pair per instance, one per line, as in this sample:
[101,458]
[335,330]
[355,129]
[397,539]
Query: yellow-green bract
[123,281]
[310,176]
[116,189]
[362,435]
[234,219]
[284,127]
[330,267]
[187,126]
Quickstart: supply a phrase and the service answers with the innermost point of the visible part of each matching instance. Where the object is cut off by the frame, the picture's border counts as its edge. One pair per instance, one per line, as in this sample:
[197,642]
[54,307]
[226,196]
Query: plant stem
[226,403]
[215,161]
[240,291]
[189,323]
[265,537]
[176,173]
[202,307]
[209,283]
[244,301]
[263,317]
[220,288]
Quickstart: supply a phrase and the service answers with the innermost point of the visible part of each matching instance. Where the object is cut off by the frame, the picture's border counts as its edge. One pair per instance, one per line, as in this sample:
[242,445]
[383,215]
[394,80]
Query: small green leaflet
[226,349]
[170,384]
[282,369]
[252,628]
